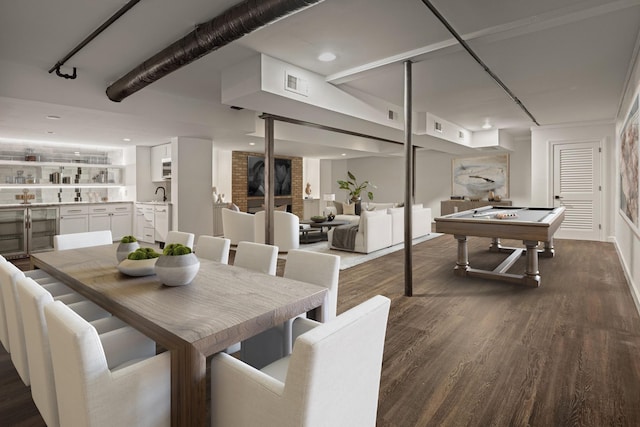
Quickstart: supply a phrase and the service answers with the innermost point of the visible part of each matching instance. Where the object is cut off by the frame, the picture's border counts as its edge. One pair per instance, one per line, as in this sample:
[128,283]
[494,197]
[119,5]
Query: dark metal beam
[408,181]
[327,128]
[484,66]
[124,9]
[269,196]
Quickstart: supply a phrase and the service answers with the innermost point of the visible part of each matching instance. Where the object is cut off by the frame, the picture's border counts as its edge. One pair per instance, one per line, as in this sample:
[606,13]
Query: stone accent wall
[239,181]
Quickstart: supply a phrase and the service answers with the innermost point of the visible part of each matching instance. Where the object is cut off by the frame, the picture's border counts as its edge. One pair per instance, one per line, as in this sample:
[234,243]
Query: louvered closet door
[576,184]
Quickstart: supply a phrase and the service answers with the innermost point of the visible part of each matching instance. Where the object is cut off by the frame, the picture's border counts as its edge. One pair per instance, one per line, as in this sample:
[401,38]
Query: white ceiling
[566,60]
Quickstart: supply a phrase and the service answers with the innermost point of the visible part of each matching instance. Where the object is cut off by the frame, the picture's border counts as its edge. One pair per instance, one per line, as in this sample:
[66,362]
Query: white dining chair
[180,237]
[34,298]
[12,329]
[332,377]
[104,380]
[257,256]
[305,266]
[213,248]
[82,240]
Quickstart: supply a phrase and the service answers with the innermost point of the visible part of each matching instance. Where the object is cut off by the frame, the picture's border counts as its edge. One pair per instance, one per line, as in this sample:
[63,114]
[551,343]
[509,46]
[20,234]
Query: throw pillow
[338,206]
[233,207]
[349,209]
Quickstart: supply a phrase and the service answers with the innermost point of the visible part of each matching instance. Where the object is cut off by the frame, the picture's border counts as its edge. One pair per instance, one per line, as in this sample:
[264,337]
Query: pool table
[531,225]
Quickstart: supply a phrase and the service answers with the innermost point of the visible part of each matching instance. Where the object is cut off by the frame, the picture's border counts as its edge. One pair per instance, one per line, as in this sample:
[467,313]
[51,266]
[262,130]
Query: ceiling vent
[437,126]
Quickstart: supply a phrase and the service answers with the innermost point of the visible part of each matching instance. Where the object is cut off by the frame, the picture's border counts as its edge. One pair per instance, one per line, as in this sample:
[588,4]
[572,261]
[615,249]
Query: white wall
[433,176]
[221,172]
[541,163]
[191,190]
[626,237]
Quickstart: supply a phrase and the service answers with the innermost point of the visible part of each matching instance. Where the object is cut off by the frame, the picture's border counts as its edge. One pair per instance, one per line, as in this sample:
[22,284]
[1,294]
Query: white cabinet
[117,217]
[311,208]
[161,223]
[158,153]
[145,222]
[74,219]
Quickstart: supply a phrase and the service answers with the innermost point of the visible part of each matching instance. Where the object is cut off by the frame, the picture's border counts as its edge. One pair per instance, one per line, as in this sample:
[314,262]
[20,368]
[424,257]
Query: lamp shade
[330,197]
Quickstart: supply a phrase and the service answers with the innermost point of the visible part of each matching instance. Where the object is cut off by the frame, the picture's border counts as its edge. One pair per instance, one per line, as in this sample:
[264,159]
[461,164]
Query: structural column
[408,189]
[269,165]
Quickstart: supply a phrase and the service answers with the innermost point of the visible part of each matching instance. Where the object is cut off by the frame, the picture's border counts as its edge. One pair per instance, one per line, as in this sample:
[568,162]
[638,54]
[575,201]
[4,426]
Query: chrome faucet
[164,193]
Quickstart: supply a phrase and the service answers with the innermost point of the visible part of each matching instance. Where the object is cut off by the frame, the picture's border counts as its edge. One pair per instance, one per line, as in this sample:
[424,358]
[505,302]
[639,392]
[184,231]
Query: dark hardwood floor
[474,352]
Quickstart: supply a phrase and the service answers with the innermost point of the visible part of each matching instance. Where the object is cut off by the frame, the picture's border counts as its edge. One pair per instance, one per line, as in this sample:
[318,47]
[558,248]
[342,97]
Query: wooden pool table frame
[463,224]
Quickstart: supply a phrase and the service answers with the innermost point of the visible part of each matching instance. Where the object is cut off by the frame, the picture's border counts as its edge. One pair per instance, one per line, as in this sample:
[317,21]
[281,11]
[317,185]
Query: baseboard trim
[625,268]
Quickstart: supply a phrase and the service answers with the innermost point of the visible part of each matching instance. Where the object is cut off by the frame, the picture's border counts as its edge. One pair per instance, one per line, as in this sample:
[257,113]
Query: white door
[576,186]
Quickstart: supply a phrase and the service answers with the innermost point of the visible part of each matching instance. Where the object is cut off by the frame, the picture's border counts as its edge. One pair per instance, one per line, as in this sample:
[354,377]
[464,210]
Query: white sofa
[244,227]
[378,229]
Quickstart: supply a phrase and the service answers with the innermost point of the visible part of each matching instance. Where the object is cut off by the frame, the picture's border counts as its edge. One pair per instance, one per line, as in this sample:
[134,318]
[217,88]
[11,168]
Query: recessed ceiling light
[343,154]
[327,57]
[486,125]
[126,139]
[50,132]
[252,143]
[51,117]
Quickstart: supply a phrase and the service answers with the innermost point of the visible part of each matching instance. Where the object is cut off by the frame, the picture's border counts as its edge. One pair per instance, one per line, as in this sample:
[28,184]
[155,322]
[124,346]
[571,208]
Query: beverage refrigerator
[25,230]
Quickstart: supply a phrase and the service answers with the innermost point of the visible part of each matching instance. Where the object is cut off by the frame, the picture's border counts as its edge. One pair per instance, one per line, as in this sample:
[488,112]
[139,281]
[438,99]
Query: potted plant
[177,265]
[127,245]
[354,189]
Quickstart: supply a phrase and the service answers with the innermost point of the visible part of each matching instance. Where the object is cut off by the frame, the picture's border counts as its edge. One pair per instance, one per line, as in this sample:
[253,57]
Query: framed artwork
[629,177]
[475,177]
[255,176]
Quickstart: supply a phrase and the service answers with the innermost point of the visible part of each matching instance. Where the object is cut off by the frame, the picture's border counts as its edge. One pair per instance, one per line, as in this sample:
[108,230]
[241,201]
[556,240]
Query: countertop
[47,204]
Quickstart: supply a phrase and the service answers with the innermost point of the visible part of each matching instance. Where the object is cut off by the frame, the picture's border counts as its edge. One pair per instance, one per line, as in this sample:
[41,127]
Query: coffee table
[318,230]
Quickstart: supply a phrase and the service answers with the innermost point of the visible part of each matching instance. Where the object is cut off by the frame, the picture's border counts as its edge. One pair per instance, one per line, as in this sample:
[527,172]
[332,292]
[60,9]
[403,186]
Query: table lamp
[328,197]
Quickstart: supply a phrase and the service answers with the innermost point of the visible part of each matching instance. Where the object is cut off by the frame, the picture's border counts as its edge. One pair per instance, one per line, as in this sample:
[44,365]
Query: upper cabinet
[160,156]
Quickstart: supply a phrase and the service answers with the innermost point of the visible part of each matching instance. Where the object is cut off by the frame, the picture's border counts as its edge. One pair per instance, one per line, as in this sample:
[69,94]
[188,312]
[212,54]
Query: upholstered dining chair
[180,237]
[237,226]
[213,248]
[257,256]
[11,328]
[93,387]
[82,240]
[306,266]
[33,299]
[286,230]
[331,378]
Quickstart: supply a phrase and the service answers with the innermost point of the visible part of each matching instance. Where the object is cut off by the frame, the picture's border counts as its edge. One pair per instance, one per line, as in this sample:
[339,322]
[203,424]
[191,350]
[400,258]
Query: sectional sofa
[380,225]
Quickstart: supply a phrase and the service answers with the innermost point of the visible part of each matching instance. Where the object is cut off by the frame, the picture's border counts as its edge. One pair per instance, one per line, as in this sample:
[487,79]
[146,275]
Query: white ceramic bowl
[177,270]
[124,249]
[137,267]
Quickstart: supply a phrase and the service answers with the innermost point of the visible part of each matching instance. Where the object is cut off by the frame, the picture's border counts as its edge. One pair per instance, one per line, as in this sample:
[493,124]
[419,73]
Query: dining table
[222,306]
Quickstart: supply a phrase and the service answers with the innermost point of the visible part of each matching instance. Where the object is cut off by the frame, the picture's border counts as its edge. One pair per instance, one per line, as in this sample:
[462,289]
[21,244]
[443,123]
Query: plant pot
[124,249]
[177,270]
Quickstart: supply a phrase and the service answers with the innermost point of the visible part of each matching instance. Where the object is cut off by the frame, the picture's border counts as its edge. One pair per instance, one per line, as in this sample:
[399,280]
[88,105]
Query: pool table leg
[548,251]
[532,275]
[462,265]
[495,245]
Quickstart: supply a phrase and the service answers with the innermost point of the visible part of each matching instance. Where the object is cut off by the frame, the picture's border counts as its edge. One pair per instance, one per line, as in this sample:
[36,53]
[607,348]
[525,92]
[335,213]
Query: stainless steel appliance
[26,230]
[166,168]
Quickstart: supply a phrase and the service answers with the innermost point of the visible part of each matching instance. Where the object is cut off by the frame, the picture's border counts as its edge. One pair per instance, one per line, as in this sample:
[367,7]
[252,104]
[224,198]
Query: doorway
[577,187]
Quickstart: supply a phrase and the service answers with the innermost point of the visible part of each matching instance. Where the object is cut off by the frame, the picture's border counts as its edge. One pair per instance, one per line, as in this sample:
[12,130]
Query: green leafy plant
[354,189]
[128,239]
[143,253]
[176,249]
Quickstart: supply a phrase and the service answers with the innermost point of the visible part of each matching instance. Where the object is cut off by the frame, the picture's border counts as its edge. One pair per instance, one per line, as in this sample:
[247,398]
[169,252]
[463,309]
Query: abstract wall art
[475,177]
[629,176]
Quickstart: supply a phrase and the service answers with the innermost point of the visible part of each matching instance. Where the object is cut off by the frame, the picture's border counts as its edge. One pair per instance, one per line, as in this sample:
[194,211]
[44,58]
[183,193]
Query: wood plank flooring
[474,352]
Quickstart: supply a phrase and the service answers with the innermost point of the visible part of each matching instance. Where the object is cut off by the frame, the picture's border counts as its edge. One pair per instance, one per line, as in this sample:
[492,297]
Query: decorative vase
[177,270]
[124,249]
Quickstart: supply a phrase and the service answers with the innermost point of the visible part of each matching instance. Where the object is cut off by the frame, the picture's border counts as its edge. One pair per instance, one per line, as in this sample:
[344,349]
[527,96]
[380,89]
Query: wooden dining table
[223,305]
